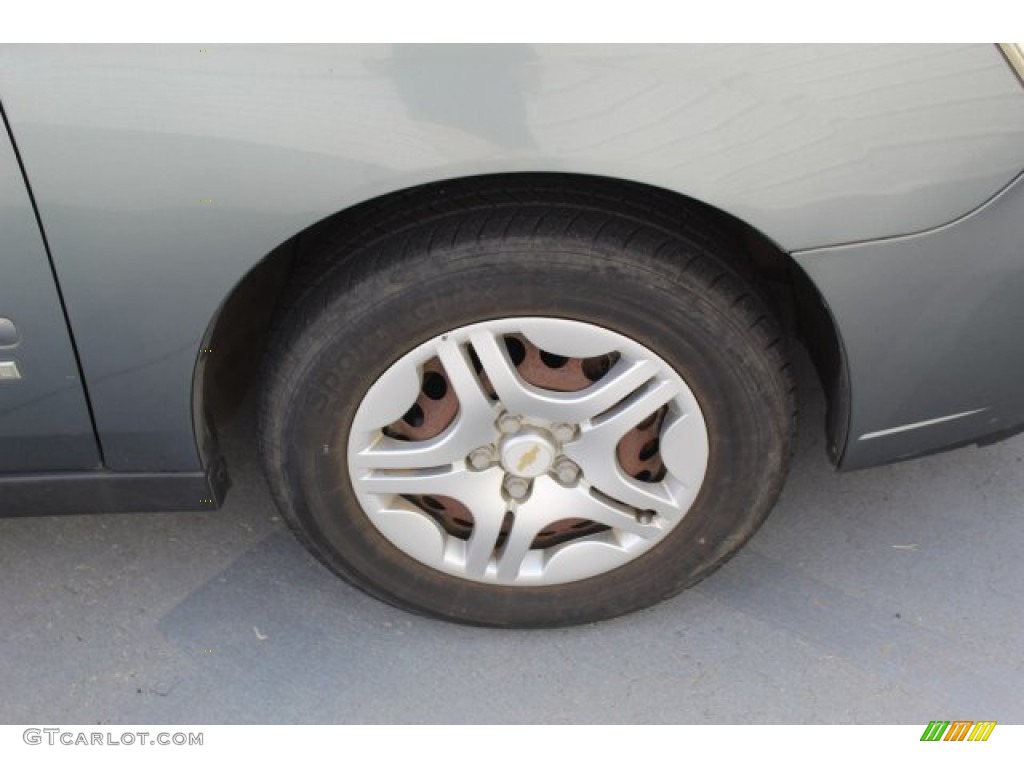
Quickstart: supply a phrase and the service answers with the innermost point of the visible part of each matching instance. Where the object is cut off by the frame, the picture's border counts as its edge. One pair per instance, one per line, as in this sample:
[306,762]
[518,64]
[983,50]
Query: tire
[527,414]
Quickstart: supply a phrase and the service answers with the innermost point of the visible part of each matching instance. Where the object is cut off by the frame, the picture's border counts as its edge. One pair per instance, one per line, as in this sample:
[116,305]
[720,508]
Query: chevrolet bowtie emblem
[528,458]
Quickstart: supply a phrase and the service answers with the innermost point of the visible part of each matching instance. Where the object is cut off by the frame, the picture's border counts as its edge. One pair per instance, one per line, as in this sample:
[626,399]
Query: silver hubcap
[527,451]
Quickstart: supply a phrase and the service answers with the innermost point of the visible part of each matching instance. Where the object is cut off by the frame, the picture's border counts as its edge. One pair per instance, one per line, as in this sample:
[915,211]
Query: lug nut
[566,471]
[509,424]
[517,487]
[564,432]
[644,516]
[481,458]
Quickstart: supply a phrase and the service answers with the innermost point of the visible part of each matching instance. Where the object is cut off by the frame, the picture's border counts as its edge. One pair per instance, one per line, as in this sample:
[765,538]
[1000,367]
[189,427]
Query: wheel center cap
[528,453]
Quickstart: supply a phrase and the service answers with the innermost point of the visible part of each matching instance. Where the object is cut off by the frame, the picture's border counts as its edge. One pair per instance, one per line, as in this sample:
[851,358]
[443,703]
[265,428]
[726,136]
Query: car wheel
[527,414]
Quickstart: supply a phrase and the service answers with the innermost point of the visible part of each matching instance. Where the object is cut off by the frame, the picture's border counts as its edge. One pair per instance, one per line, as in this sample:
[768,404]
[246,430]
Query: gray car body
[162,175]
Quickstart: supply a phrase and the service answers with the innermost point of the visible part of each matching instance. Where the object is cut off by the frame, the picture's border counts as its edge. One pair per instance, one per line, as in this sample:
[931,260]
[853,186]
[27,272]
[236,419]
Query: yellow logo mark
[982,730]
[528,458]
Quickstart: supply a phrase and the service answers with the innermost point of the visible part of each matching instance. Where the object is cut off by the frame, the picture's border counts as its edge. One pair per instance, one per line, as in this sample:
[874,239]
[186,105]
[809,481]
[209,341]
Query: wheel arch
[240,327]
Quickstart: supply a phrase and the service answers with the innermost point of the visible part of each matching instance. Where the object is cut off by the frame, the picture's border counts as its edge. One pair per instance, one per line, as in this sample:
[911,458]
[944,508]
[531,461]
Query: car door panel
[44,416]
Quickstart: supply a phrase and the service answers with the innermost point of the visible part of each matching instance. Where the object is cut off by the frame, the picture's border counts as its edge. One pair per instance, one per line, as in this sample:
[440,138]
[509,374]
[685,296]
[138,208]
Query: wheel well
[242,325]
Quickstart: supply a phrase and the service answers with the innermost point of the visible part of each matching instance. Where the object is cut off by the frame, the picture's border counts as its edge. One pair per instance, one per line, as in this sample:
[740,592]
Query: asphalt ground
[891,595]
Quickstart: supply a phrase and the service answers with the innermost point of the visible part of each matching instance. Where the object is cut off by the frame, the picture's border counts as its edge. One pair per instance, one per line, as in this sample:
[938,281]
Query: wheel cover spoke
[595,451]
